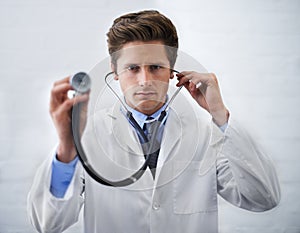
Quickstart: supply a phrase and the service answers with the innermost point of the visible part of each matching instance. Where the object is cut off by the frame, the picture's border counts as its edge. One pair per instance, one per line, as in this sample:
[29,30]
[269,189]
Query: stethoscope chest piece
[81,82]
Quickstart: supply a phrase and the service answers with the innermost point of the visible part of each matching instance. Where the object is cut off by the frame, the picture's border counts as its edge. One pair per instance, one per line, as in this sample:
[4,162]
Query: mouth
[145,93]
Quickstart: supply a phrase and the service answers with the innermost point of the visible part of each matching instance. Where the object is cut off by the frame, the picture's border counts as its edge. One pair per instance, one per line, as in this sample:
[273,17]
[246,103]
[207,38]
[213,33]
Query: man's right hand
[61,112]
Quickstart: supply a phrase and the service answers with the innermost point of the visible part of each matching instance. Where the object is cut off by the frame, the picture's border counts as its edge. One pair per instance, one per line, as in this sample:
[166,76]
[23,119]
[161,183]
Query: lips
[145,93]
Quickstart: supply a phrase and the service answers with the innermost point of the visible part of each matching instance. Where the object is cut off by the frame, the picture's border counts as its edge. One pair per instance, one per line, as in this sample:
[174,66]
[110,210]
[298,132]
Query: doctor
[178,196]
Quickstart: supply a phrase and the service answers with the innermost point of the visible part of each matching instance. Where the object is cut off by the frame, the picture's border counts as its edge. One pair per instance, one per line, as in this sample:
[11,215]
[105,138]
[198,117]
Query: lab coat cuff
[219,132]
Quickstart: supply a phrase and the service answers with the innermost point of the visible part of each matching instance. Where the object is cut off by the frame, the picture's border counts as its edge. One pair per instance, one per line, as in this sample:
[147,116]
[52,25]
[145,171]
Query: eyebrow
[163,64]
[130,64]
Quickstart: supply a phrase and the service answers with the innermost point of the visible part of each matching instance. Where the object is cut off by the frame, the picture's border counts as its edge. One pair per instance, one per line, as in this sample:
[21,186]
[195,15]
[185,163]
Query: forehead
[142,53]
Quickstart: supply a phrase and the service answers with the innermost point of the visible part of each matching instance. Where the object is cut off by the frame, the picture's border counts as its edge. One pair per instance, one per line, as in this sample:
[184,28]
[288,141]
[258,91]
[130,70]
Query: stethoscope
[81,83]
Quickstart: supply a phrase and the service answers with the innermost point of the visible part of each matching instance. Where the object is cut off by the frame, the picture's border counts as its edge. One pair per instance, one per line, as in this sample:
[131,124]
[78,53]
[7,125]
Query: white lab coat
[197,161]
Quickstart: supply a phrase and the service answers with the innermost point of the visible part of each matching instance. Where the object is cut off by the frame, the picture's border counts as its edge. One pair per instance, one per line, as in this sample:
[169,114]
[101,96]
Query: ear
[171,74]
[113,68]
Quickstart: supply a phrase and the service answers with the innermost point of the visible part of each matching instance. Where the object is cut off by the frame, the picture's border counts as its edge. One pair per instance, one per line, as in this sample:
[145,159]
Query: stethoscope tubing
[149,145]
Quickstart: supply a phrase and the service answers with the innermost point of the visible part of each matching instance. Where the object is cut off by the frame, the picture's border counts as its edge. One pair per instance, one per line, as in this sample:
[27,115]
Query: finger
[200,77]
[192,86]
[183,80]
[179,75]
[58,96]
[65,104]
[196,78]
[185,73]
[62,88]
[187,87]
[187,76]
[207,78]
[81,98]
[64,80]
[69,103]
[193,89]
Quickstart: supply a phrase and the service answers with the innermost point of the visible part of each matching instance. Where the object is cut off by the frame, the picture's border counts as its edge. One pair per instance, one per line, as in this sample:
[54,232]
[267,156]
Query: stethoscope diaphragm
[81,82]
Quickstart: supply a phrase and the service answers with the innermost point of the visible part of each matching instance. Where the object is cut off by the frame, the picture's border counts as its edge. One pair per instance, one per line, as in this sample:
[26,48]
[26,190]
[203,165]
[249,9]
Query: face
[143,71]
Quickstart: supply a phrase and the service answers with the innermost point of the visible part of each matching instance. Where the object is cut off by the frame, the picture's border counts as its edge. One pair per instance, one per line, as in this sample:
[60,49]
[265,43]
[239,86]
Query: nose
[144,77]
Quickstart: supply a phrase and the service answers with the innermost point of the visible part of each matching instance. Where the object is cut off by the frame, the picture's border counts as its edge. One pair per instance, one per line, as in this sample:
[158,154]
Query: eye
[133,68]
[155,67]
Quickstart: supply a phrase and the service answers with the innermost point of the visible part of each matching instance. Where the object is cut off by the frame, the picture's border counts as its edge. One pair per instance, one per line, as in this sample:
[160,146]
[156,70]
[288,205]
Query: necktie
[149,128]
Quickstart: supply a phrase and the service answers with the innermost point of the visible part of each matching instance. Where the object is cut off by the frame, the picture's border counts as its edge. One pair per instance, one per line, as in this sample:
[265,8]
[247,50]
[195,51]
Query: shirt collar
[141,117]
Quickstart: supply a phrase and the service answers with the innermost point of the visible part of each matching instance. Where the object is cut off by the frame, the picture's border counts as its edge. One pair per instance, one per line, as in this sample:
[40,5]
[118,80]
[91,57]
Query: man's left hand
[204,88]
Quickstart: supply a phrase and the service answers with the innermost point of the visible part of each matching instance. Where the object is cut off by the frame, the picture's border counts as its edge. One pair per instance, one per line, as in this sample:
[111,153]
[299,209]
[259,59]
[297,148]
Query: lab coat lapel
[171,136]
[183,139]
[123,131]
[170,139]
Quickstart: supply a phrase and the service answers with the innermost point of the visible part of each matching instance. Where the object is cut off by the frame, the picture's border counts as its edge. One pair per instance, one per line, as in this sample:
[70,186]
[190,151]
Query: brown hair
[143,26]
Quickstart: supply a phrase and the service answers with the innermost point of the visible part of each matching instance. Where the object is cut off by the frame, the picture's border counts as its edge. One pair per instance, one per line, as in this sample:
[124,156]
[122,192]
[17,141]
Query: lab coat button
[156,206]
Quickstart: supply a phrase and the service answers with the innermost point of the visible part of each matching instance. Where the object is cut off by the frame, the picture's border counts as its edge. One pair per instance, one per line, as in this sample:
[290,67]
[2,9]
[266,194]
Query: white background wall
[252,46]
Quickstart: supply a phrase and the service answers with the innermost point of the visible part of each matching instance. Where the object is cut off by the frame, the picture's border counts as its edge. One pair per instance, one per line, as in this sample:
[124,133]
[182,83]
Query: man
[181,197]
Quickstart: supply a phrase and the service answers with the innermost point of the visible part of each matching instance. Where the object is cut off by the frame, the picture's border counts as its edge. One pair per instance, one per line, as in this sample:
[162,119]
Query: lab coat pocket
[192,192]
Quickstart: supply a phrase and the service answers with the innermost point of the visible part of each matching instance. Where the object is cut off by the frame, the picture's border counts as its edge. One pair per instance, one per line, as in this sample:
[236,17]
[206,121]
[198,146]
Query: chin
[148,106]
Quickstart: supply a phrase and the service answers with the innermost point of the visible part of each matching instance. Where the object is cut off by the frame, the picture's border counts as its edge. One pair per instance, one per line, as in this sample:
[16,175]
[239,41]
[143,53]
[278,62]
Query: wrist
[221,117]
[66,152]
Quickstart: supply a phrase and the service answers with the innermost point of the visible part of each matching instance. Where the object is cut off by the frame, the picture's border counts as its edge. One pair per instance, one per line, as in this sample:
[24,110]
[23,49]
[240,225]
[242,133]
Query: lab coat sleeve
[47,213]
[246,177]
